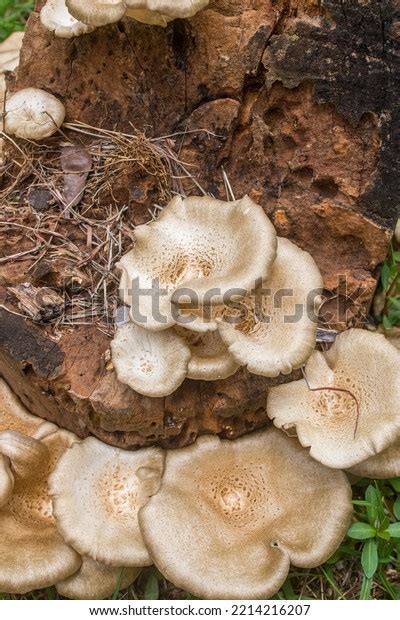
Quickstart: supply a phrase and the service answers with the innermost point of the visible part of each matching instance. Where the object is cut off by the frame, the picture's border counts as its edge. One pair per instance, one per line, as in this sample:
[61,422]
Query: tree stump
[296,101]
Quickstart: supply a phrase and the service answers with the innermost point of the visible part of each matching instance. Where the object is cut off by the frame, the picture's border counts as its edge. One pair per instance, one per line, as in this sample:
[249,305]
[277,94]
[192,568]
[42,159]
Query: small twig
[335,389]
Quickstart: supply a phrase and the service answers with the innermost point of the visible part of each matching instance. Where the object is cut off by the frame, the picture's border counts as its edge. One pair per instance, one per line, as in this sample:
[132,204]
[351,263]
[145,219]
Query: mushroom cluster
[72,18]
[211,288]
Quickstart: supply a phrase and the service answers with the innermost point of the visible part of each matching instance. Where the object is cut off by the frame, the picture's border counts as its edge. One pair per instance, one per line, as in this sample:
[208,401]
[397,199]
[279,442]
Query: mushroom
[32,553]
[96,581]
[97,12]
[33,114]
[151,363]
[56,18]
[97,491]
[198,247]
[160,12]
[210,359]
[342,409]
[278,330]
[20,449]
[230,516]
[397,231]
[381,466]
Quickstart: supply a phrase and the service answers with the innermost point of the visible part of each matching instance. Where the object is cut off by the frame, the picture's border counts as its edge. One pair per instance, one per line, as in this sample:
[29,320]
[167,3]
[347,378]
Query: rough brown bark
[301,99]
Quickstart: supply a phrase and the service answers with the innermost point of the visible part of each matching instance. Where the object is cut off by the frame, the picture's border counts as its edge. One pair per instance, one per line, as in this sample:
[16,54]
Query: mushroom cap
[198,244]
[397,231]
[151,363]
[280,334]
[381,466]
[210,359]
[260,496]
[97,491]
[14,416]
[26,454]
[32,553]
[56,18]
[97,12]
[340,432]
[33,114]
[96,581]
[160,12]
[6,481]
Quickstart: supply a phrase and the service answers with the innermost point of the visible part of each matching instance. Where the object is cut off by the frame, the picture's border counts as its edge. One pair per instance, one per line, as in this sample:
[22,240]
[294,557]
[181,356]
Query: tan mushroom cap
[20,450]
[14,416]
[97,12]
[231,516]
[32,553]
[56,18]
[278,332]
[381,466]
[344,428]
[201,244]
[151,363]
[96,581]
[97,491]
[210,359]
[6,481]
[160,12]
[33,114]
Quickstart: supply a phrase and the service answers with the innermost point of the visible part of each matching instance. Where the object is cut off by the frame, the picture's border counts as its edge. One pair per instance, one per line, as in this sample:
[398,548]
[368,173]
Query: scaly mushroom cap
[152,363]
[97,491]
[278,332]
[231,516]
[32,553]
[160,12]
[95,581]
[97,12]
[210,359]
[33,114]
[383,465]
[200,244]
[56,18]
[349,414]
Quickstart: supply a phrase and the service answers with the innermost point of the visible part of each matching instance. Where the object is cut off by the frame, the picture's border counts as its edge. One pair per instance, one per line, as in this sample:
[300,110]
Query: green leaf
[369,558]
[361,531]
[384,534]
[395,482]
[387,322]
[151,591]
[365,588]
[396,508]
[385,276]
[396,257]
[394,530]
[374,503]
[395,302]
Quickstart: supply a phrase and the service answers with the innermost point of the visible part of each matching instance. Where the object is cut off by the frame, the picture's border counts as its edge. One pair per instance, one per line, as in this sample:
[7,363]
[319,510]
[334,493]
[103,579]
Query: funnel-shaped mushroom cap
[32,553]
[97,491]
[56,18]
[202,245]
[231,516]
[160,12]
[25,453]
[33,114]
[97,12]
[210,359]
[278,330]
[152,363]
[96,581]
[349,414]
[381,466]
